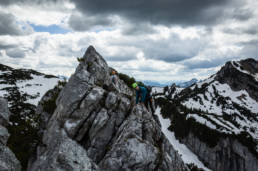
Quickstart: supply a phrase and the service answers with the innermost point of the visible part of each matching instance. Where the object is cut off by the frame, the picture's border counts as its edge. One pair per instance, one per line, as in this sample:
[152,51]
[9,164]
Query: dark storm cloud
[249,49]
[121,58]
[209,62]
[84,22]
[242,14]
[167,12]
[138,29]
[8,25]
[6,2]
[4,45]
[253,42]
[204,64]
[252,30]
[172,57]
[173,49]
[120,53]
[13,50]
[15,53]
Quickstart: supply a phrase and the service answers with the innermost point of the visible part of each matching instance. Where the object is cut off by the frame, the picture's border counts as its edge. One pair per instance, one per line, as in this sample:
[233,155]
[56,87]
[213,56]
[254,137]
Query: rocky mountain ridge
[96,126]
[182,84]
[187,83]
[217,118]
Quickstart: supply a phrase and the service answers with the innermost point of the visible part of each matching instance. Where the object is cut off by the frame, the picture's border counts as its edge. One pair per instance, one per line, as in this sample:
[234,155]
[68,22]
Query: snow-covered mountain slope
[23,89]
[168,92]
[31,84]
[156,90]
[217,100]
[218,118]
[187,83]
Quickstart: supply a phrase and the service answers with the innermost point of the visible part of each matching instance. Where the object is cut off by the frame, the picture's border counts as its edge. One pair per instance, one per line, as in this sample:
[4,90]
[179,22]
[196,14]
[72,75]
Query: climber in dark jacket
[141,93]
[144,96]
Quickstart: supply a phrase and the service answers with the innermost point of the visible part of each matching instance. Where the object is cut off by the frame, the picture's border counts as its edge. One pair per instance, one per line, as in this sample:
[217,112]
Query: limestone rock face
[228,154]
[4,112]
[95,126]
[8,161]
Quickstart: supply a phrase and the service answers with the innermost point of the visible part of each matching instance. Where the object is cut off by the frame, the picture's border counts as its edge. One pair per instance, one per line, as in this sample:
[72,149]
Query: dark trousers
[147,102]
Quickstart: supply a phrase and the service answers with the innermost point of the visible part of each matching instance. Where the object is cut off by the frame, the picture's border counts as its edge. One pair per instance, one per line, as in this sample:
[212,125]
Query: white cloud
[40,15]
[145,51]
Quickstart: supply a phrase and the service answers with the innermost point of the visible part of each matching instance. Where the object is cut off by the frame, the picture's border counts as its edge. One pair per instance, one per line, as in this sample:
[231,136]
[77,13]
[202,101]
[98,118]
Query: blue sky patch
[52,29]
[97,30]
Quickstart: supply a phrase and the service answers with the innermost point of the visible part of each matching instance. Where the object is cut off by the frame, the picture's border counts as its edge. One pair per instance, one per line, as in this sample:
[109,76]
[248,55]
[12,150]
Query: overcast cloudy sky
[159,40]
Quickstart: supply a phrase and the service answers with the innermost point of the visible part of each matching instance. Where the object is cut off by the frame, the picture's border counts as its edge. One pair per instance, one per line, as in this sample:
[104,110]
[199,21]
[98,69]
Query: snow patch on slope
[156,90]
[38,85]
[239,97]
[186,154]
[201,120]
[206,81]
[177,91]
[207,103]
[35,87]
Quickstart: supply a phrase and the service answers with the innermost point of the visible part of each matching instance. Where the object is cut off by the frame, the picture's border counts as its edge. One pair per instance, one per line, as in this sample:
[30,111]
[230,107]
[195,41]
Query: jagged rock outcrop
[47,105]
[228,154]
[8,161]
[96,126]
[232,74]
[171,91]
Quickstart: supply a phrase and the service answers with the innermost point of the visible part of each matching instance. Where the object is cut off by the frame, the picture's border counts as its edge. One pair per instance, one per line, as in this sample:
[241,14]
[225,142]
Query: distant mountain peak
[187,83]
[240,75]
[218,113]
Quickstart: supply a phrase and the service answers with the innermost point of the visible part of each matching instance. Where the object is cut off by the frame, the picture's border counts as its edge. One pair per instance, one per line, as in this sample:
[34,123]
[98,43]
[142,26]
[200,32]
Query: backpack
[149,89]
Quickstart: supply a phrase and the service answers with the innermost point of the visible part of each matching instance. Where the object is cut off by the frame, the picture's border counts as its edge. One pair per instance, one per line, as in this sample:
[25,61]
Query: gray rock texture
[8,161]
[228,154]
[4,112]
[95,126]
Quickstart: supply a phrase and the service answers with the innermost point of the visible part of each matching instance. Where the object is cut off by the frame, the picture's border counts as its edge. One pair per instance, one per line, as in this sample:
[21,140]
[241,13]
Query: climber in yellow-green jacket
[143,96]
